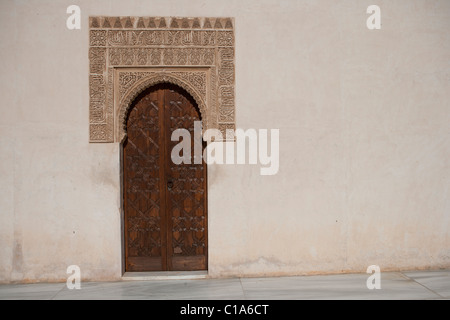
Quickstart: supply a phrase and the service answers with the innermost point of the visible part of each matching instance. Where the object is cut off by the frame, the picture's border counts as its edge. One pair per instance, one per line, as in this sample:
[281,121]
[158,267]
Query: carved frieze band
[161,56]
[151,38]
[147,42]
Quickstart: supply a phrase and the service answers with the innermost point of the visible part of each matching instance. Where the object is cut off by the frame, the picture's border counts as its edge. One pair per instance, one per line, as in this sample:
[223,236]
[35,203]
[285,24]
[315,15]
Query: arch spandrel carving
[129,54]
[140,81]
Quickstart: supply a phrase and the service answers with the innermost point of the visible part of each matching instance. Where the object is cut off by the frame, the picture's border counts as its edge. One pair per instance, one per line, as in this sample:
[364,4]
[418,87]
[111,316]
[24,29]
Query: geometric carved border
[129,54]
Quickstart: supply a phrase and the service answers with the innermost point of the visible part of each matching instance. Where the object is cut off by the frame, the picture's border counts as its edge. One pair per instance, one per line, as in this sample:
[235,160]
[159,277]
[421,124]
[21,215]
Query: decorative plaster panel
[129,54]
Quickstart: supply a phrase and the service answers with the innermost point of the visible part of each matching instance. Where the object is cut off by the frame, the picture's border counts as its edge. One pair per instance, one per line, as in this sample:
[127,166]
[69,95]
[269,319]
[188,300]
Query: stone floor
[394,285]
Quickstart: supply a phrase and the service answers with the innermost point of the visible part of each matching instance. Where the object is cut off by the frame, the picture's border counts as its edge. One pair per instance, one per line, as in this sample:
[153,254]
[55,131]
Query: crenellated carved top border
[194,53]
[128,22]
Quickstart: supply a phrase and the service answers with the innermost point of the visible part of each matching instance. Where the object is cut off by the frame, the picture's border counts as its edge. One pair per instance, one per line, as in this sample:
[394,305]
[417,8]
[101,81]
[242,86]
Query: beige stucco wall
[364,141]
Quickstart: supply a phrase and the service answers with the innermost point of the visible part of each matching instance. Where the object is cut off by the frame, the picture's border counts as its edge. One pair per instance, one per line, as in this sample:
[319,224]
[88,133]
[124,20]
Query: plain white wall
[364,141]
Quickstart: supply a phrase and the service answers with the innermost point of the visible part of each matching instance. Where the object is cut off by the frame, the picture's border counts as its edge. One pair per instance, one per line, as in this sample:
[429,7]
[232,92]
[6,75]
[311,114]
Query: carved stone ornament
[130,54]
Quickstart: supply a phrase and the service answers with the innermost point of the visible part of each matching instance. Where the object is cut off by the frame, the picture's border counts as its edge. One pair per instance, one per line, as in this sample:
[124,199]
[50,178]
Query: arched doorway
[165,204]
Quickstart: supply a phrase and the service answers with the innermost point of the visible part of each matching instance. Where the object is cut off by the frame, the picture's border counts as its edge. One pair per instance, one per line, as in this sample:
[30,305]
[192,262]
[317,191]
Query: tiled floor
[394,285]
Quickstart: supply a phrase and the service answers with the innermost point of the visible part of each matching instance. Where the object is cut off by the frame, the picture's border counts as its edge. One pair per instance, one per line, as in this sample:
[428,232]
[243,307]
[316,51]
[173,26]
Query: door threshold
[165,275]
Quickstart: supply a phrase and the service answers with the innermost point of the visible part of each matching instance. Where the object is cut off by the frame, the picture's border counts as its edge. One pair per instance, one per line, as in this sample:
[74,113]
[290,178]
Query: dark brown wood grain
[165,204]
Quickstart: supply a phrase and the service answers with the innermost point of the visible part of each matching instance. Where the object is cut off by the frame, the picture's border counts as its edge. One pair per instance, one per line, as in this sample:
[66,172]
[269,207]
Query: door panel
[165,204]
[186,200]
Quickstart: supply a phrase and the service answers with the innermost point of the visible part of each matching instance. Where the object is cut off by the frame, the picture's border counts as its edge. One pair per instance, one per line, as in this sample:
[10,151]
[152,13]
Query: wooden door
[165,204]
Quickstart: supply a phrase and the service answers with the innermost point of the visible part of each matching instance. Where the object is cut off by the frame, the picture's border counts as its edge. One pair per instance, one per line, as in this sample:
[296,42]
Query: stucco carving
[129,54]
[130,84]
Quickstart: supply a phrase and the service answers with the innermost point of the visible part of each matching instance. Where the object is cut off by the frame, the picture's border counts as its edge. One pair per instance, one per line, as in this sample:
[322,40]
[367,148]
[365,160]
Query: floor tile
[436,281]
[164,289]
[41,291]
[394,285]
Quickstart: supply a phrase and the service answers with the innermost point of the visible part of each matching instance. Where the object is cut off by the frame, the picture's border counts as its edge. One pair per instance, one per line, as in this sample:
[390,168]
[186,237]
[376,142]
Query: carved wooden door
[165,204]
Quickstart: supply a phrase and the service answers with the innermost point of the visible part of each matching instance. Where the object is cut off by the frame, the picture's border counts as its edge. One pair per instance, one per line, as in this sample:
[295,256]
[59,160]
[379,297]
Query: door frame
[122,190]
